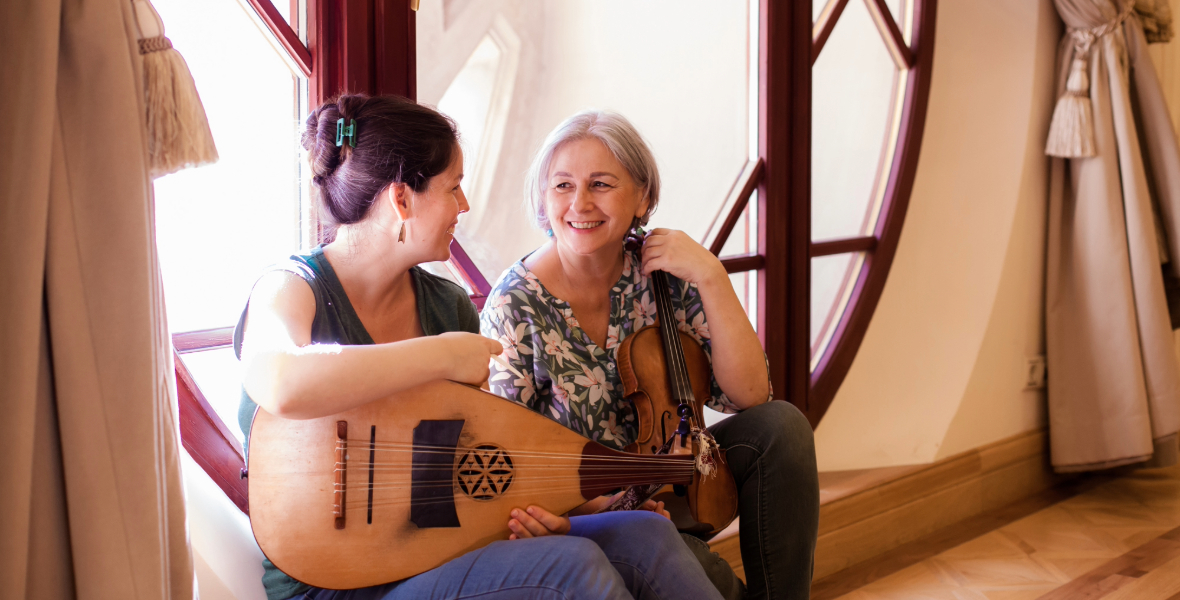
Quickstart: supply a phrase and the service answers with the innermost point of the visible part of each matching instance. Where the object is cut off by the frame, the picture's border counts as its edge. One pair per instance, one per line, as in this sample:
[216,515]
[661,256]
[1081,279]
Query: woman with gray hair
[563,311]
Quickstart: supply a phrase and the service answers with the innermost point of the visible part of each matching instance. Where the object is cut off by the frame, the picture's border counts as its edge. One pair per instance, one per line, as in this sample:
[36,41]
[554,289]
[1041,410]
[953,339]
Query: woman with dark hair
[563,311]
[356,320]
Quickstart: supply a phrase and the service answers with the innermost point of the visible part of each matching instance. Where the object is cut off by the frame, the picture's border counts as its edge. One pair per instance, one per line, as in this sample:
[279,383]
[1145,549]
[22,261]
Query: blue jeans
[615,556]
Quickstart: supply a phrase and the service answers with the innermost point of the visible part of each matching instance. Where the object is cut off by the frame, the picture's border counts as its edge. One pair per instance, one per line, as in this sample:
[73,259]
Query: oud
[399,486]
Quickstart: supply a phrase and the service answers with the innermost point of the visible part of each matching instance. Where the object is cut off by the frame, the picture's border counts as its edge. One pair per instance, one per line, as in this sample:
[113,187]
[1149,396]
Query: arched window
[694,76]
[870,81]
[218,226]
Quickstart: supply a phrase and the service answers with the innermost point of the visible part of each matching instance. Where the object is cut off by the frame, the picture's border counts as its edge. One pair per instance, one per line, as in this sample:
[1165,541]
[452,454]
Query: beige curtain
[92,504]
[1114,380]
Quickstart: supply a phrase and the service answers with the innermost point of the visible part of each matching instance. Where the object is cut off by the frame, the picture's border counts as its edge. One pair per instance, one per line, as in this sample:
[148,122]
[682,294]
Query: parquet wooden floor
[1119,540]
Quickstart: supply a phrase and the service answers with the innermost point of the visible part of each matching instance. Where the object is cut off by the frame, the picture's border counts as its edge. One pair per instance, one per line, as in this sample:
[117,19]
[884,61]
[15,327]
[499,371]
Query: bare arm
[288,376]
[739,364]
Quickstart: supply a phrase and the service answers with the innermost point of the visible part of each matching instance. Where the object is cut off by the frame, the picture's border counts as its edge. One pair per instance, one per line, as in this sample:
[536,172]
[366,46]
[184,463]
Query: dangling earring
[401,234]
[633,241]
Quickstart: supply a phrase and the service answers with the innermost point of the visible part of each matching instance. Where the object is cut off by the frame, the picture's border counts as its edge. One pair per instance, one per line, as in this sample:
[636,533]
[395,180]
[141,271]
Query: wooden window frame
[879,248]
[370,47]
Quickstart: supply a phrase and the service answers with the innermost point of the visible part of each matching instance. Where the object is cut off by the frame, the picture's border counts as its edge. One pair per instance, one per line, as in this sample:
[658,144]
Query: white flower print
[532,283]
[610,429]
[497,303]
[567,377]
[568,314]
[698,329]
[612,337]
[513,342]
[562,391]
[644,311]
[556,346]
[595,382]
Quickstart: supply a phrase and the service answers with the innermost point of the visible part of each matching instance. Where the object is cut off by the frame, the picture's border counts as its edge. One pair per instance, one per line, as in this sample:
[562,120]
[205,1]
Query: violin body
[643,368]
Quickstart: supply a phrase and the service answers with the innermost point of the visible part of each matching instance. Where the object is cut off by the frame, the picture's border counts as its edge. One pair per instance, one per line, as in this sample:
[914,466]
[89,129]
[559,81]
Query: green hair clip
[343,132]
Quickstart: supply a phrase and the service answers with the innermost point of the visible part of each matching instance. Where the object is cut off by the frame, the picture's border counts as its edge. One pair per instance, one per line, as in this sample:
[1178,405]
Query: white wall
[942,365]
[228,561]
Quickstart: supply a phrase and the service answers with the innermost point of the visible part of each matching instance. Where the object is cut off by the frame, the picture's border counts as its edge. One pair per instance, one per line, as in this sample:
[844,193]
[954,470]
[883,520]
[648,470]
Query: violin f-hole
[664,425]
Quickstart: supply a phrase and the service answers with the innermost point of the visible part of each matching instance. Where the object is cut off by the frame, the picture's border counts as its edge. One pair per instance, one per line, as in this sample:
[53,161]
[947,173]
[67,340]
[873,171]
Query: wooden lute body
[402,485]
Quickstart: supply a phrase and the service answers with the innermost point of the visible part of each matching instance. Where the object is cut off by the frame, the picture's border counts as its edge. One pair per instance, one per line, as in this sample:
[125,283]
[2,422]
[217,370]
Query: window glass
[832,280]
[744,240]
[218,226]
[509,72]
[854,87]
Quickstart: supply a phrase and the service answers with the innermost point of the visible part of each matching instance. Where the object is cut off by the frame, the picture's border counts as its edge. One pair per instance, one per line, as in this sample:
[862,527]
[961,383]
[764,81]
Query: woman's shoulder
[517,295]
[518,281]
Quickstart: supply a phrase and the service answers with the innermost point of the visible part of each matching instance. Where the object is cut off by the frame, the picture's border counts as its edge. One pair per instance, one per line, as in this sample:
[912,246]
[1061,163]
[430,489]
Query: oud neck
[604,470]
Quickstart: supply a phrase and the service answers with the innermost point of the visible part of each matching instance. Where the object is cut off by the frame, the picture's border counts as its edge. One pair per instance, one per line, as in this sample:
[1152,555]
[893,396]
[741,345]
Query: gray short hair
[618,135]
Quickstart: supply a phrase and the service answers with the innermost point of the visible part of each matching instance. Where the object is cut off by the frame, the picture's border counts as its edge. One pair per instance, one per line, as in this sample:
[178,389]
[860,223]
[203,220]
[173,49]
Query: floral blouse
[567,377]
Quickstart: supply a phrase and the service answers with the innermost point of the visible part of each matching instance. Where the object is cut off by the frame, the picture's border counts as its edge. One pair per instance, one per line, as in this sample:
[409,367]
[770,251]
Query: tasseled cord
[1071,135]
[707,451]
[177,128]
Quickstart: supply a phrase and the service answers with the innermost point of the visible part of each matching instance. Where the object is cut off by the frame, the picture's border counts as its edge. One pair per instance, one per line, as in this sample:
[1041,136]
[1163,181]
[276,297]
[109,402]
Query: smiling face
[590,198]
[435,212]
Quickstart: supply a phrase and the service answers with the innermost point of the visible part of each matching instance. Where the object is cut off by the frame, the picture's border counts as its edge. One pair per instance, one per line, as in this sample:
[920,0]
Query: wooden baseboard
[859,526]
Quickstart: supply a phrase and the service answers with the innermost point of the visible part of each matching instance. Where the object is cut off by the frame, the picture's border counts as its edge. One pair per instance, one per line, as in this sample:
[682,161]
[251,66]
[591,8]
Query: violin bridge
[341,471]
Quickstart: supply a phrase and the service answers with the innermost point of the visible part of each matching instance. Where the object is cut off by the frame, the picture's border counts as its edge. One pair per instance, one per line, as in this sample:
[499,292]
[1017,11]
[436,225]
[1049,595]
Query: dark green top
[442,306]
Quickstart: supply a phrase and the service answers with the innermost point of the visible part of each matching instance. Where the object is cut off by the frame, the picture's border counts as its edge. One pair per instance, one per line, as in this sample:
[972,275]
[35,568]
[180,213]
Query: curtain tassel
[178,130]
[1071,134]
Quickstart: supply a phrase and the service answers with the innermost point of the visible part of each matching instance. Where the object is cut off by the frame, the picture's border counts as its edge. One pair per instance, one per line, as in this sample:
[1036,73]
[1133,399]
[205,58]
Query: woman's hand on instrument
[674,252]
[536,522]
[466,356]
[656,507]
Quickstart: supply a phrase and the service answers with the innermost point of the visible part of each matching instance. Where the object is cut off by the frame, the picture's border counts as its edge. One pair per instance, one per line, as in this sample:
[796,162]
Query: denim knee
[649,525]
[575,550]
[775,432]
[633,525]
[777,420]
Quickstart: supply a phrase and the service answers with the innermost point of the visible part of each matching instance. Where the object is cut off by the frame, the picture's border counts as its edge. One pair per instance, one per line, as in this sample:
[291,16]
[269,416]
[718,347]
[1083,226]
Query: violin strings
[674,351]
[669,330]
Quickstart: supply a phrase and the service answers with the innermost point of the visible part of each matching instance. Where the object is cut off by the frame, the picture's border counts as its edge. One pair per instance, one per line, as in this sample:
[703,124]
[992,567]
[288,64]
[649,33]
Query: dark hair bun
[397,141]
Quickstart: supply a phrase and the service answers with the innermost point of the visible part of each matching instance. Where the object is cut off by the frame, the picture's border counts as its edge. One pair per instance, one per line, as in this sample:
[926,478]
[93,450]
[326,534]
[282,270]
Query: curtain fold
[1114,380]
[93,504]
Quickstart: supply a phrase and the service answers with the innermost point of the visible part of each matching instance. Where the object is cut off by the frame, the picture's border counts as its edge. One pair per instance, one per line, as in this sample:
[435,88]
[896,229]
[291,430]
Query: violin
[665,376]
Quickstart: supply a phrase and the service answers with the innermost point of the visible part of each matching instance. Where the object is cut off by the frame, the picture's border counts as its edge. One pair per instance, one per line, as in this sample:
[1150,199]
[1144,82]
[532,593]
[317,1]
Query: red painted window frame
[370,47]
[879,248]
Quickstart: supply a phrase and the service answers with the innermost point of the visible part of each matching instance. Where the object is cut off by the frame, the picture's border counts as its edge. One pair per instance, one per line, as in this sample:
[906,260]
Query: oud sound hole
[485,472]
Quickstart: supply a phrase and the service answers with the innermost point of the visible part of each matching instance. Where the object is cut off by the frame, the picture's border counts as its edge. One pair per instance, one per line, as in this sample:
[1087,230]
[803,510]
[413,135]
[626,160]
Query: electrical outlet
[1034,373]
